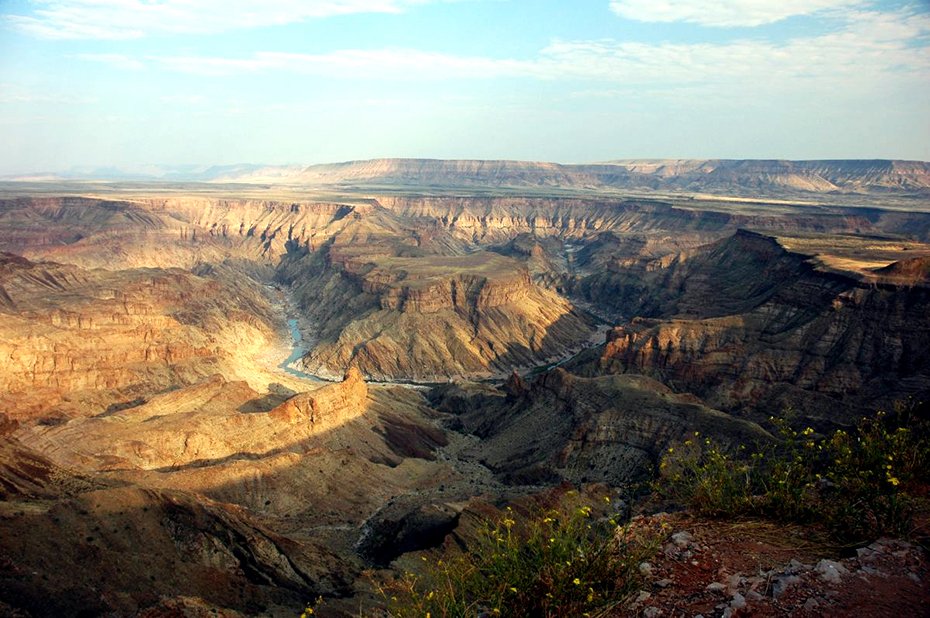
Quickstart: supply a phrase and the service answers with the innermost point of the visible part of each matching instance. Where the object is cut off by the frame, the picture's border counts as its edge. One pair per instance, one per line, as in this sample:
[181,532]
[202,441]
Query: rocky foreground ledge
[753,568]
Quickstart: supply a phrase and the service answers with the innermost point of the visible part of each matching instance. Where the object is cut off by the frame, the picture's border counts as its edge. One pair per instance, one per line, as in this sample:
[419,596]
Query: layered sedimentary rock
[560,426]
[75,341]
[727,176]
[746,324]
[498,219]
[329,406]
[333,452]
[431,317]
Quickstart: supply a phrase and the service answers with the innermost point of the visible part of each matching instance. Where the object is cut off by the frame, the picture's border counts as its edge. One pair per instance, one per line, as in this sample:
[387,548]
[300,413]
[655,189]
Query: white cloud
[870,48]
[118,61]
[372,64]
[15,93]
[131,19]
[723,12]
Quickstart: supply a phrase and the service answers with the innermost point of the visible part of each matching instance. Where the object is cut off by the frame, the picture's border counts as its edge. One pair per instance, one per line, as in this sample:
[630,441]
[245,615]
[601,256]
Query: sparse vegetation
[860,484]
[560,563]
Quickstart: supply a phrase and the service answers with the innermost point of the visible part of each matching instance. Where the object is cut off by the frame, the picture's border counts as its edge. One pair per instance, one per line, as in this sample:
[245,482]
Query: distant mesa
[727,176]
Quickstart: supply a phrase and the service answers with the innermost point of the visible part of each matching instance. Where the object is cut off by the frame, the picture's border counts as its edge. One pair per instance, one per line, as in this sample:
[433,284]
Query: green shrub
[856,483]
[561,563]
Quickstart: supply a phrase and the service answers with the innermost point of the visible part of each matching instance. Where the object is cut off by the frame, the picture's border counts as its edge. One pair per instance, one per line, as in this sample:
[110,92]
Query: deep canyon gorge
[468,334]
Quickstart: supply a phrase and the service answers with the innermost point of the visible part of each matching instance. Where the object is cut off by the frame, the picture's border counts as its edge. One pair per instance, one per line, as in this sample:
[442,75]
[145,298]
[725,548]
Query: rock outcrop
[70,544]
[606,429]
[328,406]
[75,341]
[746,324]
[711,175]
[432,317]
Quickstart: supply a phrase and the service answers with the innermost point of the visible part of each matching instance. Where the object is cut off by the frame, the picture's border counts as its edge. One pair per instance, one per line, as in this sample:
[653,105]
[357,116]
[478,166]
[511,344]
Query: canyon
[470,334]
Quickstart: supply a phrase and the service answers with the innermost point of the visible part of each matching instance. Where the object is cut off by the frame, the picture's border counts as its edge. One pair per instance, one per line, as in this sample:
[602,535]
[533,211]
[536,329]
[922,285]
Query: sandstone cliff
[744,323]
[74,341]
[431,317]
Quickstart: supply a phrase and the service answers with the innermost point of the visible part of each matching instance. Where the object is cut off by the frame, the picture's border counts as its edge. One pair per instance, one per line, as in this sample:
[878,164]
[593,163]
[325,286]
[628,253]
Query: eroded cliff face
[75,341]
[606,429]
[431,317]
[746,324]
[496,220]
[327,407]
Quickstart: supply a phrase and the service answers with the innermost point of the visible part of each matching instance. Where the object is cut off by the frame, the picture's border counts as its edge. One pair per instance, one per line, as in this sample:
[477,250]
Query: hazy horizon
[130,84]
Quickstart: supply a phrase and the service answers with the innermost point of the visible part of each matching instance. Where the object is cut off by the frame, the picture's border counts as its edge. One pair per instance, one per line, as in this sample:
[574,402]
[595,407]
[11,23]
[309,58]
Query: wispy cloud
[867,49]
[377,64]
[15,93]
[723,12]
[131,19]
[118,61]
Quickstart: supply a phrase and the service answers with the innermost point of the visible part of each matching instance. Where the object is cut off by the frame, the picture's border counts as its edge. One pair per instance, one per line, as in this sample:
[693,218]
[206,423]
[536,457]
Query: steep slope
[745,324]
[75,341]
[428,318]
[609,429]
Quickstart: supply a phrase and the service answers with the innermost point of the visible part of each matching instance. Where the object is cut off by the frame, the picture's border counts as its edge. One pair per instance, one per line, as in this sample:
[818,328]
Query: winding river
[297,352]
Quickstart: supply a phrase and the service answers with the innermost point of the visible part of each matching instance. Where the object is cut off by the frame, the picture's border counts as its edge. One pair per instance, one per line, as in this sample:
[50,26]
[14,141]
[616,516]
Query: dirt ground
[752,568]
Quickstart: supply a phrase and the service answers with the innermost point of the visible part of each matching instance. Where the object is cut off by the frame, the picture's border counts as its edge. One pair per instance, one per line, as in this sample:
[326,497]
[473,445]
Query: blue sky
[133,83]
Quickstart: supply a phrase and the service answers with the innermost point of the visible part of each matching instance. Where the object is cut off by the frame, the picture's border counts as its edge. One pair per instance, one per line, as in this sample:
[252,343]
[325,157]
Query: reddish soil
[753,568]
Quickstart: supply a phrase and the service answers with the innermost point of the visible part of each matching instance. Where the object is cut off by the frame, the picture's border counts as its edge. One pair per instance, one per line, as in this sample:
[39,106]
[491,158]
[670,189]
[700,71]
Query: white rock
[682,539]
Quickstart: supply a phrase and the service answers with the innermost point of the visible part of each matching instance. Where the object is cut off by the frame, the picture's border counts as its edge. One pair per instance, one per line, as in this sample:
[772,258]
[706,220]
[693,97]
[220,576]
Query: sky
[136,83]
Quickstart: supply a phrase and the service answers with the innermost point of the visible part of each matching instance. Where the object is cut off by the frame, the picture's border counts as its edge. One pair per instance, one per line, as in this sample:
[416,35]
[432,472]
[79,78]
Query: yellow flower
[577,581]
[671,449]
[429,596]
[512,589]
[893,481]
[607,499]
